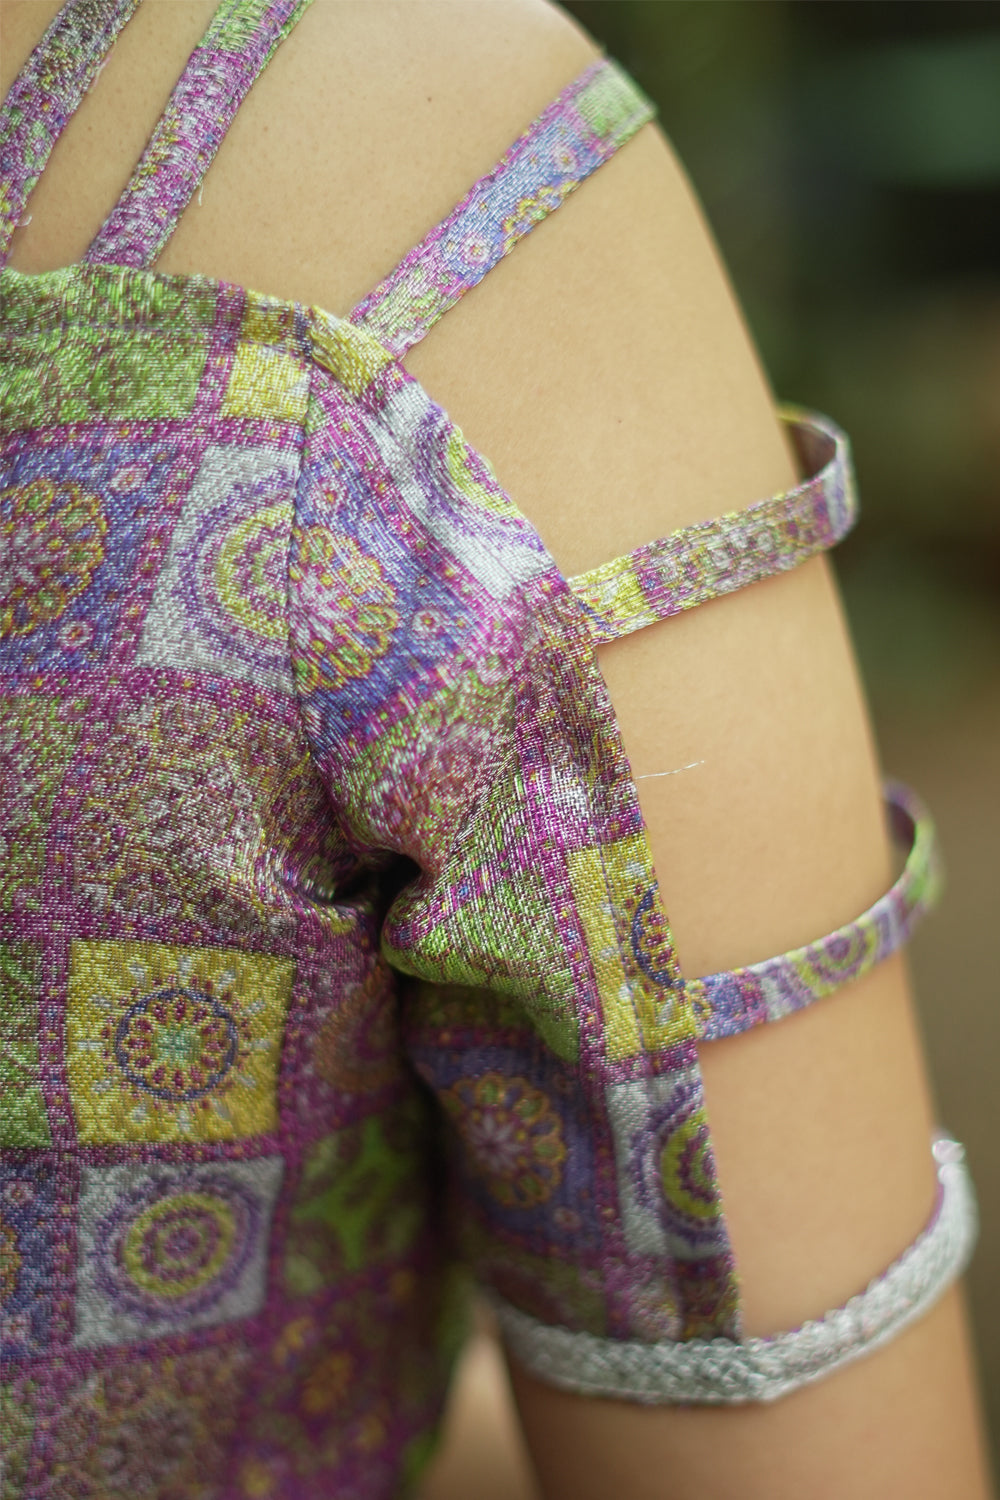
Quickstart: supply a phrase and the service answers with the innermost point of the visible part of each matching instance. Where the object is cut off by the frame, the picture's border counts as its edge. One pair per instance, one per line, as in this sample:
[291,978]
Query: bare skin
[606,373]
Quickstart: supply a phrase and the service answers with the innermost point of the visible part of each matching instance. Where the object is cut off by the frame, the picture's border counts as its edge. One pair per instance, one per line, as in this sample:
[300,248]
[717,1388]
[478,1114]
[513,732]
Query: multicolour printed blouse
[332,956]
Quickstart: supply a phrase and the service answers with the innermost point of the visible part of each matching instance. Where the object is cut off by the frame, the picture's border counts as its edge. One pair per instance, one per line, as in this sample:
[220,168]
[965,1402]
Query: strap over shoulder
[240,41]
[579,131]
[45,95]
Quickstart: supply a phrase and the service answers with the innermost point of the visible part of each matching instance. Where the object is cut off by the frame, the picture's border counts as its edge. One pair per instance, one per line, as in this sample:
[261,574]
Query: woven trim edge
[729,1372]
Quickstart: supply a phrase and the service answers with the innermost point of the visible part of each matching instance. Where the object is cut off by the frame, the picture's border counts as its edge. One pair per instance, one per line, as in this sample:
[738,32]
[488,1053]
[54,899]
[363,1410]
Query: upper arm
[605,371]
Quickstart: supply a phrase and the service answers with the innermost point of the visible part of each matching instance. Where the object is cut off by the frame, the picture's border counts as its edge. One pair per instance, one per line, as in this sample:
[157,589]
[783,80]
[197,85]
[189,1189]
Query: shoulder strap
[577,133]
[239,43]
[701,562]
[728,1003]
[45,95]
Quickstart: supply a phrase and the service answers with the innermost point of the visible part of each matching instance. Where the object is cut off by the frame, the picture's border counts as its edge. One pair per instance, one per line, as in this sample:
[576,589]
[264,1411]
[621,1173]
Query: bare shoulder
[370,123]
[372,117]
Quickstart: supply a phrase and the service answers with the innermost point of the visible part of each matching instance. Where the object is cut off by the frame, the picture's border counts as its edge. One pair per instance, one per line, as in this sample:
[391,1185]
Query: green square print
[23,1120]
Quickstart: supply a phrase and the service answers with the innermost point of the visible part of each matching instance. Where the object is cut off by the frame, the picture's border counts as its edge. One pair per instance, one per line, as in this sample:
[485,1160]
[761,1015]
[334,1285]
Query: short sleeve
[452,696]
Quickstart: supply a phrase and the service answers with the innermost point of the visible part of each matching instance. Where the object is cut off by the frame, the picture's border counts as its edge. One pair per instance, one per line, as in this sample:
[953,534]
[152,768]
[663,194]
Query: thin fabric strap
[579,131]
[239,43]
[712,558]
[728,1003]
[45,95]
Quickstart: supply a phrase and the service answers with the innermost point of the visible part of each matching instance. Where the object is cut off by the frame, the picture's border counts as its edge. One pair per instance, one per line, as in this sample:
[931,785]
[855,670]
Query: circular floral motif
[513,1135]
[527,212]
[352,605]
[837,958]
[673,1167]
[176,1244]
[687,1171]
[170,1251]
[250,572]
[176,1044]
[127,479]
[51,544]
[76,634]
[650,939]
[232,574]
[473,243]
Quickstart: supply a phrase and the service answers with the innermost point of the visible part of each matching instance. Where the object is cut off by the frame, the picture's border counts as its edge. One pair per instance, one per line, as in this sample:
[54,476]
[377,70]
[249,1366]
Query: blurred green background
[847,153]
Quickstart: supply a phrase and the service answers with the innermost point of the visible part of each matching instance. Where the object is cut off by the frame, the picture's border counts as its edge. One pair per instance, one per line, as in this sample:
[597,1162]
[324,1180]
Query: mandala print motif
[167,1248]
[52,540]
[470,246]
[174,1044]
[64,589]
[351,605]
[149,1430]
[178,1044]
[679,1143]
[235,574]
[667,1198]
[511,1134]
[203,814]
[221,599]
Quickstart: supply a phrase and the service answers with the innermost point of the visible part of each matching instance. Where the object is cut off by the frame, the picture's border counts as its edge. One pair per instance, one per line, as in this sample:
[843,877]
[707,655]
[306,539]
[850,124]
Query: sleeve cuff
[728,1371]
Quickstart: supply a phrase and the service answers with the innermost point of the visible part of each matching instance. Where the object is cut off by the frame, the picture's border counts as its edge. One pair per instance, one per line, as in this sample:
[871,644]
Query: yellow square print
[174,1044]
[614,593]
[266,383]
[641,1012]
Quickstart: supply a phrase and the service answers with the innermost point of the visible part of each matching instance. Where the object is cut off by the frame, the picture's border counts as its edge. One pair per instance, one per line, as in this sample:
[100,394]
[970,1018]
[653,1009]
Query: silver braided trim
[761,1369]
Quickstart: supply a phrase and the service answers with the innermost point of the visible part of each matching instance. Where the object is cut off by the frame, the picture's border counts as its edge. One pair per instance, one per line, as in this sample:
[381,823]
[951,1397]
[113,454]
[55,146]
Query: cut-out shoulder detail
[325,791]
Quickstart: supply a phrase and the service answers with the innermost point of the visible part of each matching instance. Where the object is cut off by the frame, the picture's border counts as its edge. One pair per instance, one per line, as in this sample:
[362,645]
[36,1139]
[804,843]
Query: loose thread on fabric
[652,775]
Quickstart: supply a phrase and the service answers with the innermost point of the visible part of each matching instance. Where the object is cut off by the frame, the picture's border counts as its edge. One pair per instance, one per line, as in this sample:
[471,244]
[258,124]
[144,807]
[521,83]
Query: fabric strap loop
[721,1371]
[727,1003]
[712,558]
[46,94]
[240,41]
